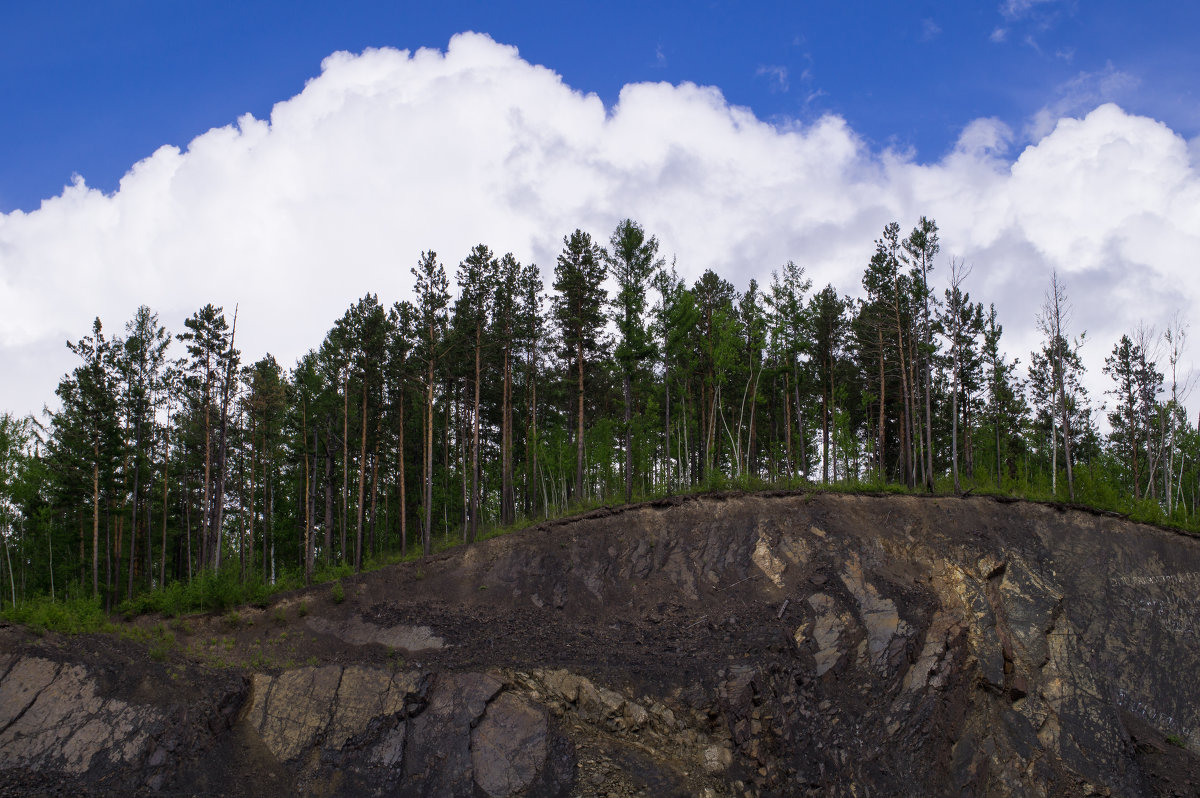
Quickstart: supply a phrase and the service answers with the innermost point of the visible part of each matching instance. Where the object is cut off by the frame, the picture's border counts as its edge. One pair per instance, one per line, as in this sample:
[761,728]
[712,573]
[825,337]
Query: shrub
[74,616]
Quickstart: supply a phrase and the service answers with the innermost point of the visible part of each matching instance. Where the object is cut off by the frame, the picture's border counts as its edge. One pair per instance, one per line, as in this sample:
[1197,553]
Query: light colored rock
[828,628]
[767,562]
[300,708]
[717,759]
[508,747]
[925,671]
[878,614]
[356,631]
[54,716]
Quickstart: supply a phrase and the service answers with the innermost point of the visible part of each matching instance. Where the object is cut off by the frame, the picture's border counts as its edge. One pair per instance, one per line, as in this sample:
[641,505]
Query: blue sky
[92,87]
[224,154]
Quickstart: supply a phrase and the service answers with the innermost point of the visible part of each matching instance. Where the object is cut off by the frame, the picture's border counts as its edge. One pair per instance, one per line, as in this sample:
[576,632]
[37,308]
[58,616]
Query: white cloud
[388,153]
[777,75]
[1016,9]
[929,30]
[1082,93]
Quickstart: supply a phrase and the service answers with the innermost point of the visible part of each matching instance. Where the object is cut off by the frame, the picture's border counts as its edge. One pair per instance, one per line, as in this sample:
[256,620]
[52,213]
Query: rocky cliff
[810,644]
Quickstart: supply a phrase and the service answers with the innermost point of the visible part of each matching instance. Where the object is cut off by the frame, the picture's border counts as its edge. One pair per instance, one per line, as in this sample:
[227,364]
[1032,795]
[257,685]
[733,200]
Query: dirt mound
[732,645]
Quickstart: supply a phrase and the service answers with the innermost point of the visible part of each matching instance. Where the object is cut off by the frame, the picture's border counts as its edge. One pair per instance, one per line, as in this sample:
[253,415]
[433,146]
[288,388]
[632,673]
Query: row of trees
[438,416]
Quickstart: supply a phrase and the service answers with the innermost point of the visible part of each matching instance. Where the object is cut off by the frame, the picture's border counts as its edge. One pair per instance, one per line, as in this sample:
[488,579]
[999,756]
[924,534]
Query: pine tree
[578,309]
[432,298]
[477,289]
[785,297]
[920,248]
[90,402]
[632,261]
[505,330]
[141,363]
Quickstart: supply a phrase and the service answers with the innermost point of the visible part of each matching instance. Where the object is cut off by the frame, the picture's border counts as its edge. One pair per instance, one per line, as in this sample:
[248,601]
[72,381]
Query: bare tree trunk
[627,392]
[507,498]
[403,499]
[474,510]
[327,553]
[309,491]
[533,442]
[96,521]
[579,428]
[253,487]
[427,542]
[880,446]
[205,523]
[667,426]
[787,426]
[374,492]
[162,565]
[345,464]
[137,473]
[362,471]
[219,498]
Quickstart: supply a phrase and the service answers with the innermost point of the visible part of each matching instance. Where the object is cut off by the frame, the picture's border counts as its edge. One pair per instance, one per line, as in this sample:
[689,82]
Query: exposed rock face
[105,721]
[787,645]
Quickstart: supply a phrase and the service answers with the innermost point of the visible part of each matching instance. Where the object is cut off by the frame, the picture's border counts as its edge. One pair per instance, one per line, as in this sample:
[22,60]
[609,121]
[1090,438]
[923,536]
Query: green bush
[337,593]
[74,616]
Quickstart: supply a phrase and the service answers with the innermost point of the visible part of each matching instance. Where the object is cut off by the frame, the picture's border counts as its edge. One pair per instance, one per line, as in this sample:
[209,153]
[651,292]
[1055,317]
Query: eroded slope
[764,645]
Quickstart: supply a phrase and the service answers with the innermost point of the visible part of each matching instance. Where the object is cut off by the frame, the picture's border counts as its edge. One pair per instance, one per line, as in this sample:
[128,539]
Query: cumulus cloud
[1083,92]
[389,153]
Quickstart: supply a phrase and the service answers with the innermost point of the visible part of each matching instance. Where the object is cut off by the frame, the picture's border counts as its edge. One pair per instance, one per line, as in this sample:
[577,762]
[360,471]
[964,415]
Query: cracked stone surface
[730,645]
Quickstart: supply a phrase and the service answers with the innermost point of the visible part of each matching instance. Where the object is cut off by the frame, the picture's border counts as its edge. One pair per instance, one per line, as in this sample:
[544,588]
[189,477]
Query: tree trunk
[627,391]
[787,426]
[96,521]
[137,473]
[162,565]
[362,472]
[222,449]
[327,553]
[345,464]
[667,426]
[205,522]
[400,458]
[426,540]
[579,427]
[474,510]
[507,499]
[880,446]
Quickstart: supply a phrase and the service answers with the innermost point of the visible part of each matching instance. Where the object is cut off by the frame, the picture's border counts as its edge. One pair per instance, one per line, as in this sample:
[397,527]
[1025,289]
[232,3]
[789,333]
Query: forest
[484,405]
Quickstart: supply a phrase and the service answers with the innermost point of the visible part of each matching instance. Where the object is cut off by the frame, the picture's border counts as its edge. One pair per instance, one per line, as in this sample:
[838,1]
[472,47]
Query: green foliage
[582,398]
[162,644]
[337,593]
[208,592]
[1175,739]
[76,616]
